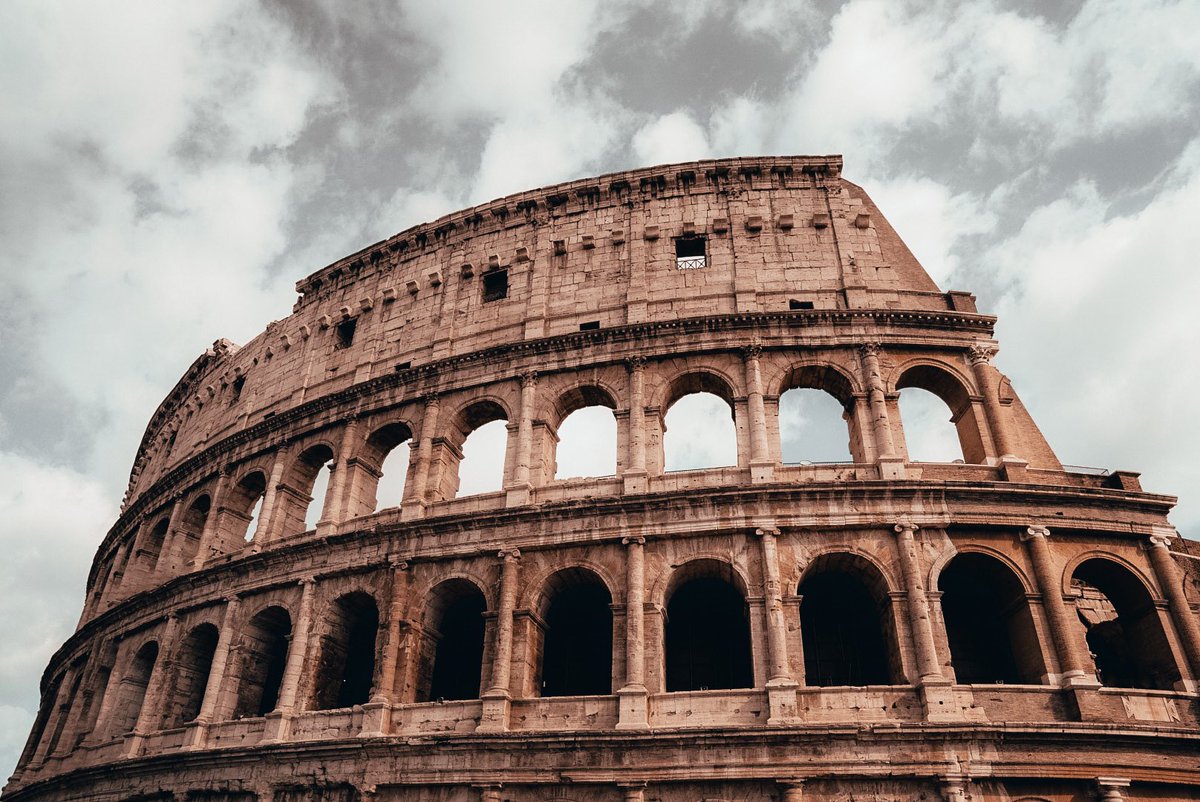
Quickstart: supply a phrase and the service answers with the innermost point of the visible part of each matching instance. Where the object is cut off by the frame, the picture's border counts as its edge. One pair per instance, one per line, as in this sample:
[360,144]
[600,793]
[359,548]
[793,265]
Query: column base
[377,720]
[132,746]
[412,510]
[1013,469]
[497,706]
[277,729]
[636,483]
[762,472]
[518,495]
[940,701]
[781,701]
[634,709]
[196,736]
[891,468]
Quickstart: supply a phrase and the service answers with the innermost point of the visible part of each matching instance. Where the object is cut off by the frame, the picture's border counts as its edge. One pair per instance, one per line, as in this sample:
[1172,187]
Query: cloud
[674,137]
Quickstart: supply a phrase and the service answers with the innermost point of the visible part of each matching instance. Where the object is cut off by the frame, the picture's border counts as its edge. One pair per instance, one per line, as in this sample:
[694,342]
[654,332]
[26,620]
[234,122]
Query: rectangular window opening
[691,253]
[345,332]
[238,384]
[495,285]
[591,325]
[794,304]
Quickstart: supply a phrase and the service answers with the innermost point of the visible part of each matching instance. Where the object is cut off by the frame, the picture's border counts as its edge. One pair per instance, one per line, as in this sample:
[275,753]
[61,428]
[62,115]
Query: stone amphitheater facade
[999,628]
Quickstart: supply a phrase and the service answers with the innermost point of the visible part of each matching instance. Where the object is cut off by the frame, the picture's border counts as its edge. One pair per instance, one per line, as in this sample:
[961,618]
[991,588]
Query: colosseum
[264,622]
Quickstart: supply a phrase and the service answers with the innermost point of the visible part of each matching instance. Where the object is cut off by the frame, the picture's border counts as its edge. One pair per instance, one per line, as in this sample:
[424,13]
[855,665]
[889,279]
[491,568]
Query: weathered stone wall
[215,661]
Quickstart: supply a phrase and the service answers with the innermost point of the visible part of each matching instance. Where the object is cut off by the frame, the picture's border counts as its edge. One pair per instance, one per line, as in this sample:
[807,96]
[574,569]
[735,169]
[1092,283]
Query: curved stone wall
[879,626]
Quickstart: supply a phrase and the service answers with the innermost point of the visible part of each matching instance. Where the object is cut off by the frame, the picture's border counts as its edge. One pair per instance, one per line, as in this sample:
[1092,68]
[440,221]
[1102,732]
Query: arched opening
[191,525]
[1124,633]
[388,455]
[988,623]
[308,479]
[131,693]
[191,670]
[48,700]
[815,417]
[846,624]
[698,424]
[346,667]
[577,642]
[941,428]
[452,654]
[264,648]
[481,432]
[152,546]
[240,513]
[707,629]
[586,434]
[65,708]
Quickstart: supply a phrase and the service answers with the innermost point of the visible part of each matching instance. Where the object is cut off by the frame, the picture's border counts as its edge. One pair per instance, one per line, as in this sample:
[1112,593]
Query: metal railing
[691,262]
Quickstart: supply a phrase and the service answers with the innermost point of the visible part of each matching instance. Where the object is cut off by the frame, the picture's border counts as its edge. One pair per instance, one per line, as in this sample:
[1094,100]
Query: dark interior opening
[841,631]
[689,247]
[238,384]
[458,658]
[345,332]
[265,648]
[795,304]
[495,285]
[707,637]
[347,663]
[591,325]
[577,658]
[192,668]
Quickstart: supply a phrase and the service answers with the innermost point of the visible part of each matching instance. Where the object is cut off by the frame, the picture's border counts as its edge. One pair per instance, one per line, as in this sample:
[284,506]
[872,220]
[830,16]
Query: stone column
[489,793]
[333,507]
[635,474]
[762,467]
[496,701]
[793,790]
[1066,646]
[151,711]
[209,532]
[781,688]
[269,519]
[414,505]
[633,791]
[918,604]
[377,712]
[519,486]
[890,465]
[197,734]
[633,694]
[166,557]
[953,788]
[988,379]
[1111,789]
[279,720]
[1169,579]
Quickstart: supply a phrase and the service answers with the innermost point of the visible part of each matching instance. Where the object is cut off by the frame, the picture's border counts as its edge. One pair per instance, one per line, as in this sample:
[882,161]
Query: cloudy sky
[168,170]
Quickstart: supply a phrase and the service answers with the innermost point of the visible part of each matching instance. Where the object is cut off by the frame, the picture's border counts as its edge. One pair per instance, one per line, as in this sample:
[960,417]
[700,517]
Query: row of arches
[848,636]
[479,448]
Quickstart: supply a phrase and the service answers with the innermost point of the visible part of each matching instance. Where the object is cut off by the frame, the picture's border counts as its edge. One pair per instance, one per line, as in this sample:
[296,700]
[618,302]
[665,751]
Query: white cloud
[674,137]
[699,433]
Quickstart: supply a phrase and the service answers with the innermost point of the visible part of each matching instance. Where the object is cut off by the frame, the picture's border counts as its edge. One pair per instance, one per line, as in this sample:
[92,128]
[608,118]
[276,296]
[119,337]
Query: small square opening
[691,253]
[495,285]
[345,332]
[795,304]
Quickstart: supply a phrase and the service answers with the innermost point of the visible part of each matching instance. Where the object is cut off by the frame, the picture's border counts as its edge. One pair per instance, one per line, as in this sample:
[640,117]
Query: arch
[580,396]
[706,638]
[152,546]
[818,376]
[574,634]
[810,421]
[244,501]
[382,469]
[719,438]
[346,666]
[131,692]
[191,667]
[587,438]
[191,525]
[490,466]
[264,649]
[847,625]
[953,389]
[1124,631]
[989,625]
[451,665]
[305,486]
[46,705]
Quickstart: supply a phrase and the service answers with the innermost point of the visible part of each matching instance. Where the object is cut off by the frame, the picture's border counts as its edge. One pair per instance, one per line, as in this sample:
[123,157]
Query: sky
[168,170]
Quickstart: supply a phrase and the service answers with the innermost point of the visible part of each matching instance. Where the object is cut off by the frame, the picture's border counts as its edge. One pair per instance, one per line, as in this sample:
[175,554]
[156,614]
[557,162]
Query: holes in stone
[591,325]
[794,304]
[707,637]
[495,285]
[345,332]
[690,253]
[347,663]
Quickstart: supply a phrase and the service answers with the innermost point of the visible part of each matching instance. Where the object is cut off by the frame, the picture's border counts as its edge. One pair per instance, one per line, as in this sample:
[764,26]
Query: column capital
[509,555]
[870,349]
[752,351]
[1109,789]
[635,364]
[1162,536]
[632,540]
[905,526]
[981,353]
[399,563]
[529,378]
[431,399]
[307,581]
[1034,532]
[764,531]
